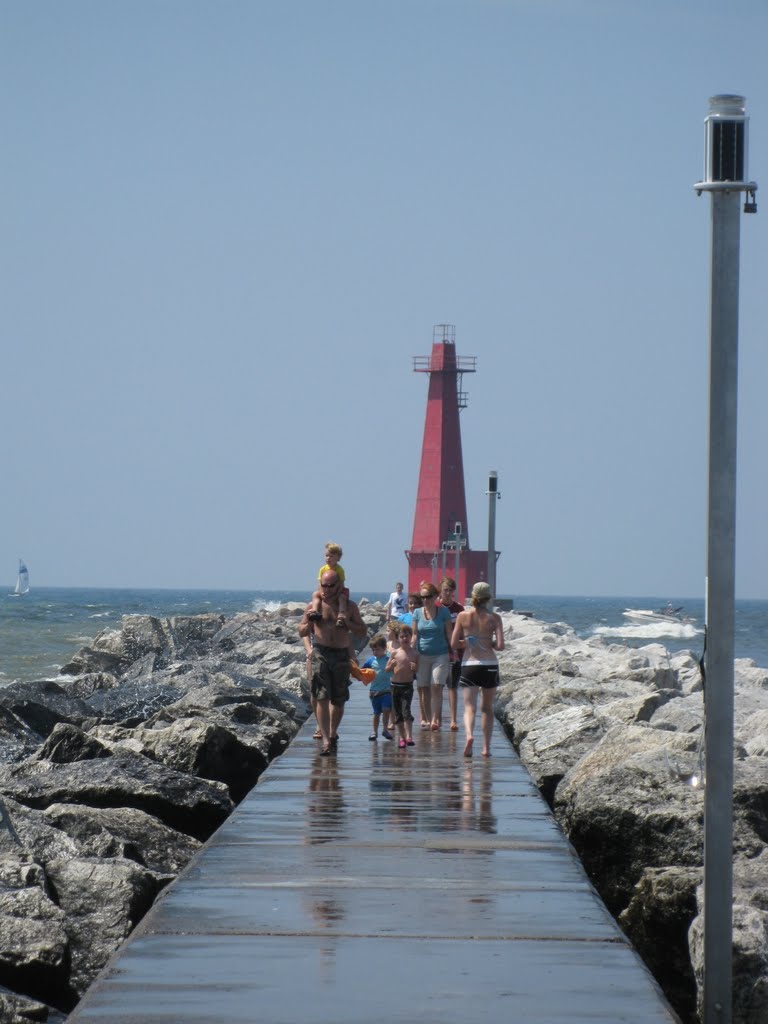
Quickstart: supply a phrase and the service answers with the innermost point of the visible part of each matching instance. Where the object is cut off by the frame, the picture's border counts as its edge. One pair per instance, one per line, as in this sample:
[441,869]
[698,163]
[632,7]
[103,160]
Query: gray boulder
[66,743]
[626,806]
[17,1009]
[102,901]
[17,740]
[122,832]
[190,805]
[34,946]
[194,746]
[27,833]
[750,942]
[41,705]
[657,920]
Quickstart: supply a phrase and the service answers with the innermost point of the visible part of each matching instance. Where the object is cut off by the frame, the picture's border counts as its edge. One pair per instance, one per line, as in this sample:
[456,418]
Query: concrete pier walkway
[381,885]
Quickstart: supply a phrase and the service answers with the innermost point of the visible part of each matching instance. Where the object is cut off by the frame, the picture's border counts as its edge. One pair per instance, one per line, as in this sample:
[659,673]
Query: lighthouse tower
[440,544]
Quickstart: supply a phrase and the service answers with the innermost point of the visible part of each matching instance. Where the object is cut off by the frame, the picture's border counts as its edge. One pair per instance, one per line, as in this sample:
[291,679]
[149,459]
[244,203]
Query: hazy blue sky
[227,228]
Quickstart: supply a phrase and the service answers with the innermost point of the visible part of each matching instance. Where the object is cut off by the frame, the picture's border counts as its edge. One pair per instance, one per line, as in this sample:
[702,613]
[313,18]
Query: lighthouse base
[430,567]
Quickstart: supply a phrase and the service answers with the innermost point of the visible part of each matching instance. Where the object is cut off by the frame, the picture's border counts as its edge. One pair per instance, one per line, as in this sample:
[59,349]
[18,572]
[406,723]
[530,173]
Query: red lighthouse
[440,544]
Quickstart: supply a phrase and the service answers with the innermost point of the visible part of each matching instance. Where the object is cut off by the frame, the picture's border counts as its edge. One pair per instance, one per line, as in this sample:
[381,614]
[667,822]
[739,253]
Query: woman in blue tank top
[432,630]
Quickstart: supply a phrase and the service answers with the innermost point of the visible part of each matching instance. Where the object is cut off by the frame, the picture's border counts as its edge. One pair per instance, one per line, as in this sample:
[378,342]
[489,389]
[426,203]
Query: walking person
[308,639]
[393,635]
[402,664]
[380,691]
[329,660]
[479,634]
[448,600]
[397,604]
[432,639]
[414,602]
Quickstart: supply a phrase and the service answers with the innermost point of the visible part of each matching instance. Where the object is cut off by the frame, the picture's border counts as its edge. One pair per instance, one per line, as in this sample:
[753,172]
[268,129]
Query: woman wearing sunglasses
[432,629]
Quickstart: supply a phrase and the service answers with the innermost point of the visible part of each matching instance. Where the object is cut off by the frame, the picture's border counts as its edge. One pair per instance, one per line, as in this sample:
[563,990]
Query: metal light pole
[459,541]
[493,497]
[725,178]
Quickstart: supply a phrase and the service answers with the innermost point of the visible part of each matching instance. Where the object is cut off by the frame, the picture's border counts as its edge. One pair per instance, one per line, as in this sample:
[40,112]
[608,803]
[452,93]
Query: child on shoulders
[333,554]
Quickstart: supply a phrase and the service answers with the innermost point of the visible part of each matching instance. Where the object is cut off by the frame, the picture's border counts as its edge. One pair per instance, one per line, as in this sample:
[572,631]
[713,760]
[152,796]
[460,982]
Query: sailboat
[22,580]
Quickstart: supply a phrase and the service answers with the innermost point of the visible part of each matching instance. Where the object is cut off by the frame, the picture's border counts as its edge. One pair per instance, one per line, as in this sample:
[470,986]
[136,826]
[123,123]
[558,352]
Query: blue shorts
[381,701]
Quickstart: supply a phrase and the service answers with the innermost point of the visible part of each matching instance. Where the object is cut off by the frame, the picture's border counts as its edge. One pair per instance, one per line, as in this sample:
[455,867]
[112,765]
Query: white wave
[266,606]
[100,615]
[650,630]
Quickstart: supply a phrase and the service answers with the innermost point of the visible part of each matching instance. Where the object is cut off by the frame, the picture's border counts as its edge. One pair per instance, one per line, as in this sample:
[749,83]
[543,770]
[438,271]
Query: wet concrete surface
[381,885]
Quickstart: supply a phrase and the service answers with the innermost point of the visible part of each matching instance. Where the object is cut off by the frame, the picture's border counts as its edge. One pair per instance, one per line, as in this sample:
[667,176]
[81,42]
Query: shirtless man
[329,660]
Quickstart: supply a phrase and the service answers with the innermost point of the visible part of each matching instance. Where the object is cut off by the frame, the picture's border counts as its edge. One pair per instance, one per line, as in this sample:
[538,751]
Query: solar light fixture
[726,149]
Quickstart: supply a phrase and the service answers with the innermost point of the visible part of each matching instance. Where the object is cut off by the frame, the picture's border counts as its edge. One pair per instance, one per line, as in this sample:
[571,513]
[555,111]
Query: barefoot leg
[425,705]
[436,699]
[488,698]
[470,707]
[452,708]
[323,713]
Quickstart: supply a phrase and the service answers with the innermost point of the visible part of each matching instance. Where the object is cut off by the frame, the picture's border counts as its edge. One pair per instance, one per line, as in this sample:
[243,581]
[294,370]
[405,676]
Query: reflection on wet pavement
[447,877]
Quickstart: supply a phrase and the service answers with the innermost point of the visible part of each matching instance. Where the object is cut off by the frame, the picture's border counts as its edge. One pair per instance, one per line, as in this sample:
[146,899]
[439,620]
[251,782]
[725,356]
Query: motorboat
[669,613]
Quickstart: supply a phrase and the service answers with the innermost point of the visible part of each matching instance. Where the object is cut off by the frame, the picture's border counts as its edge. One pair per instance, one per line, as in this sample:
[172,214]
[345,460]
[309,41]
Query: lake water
[41,630]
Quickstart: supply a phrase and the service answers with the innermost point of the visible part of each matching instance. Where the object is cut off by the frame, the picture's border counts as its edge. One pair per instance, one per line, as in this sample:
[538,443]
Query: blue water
[40,631]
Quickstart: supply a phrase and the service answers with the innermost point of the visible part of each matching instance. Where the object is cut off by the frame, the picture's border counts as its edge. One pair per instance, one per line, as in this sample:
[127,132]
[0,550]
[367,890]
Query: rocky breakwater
[613,738]
[114,774]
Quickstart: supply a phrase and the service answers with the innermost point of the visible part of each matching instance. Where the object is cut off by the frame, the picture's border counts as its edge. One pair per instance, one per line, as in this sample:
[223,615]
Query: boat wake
[650,630]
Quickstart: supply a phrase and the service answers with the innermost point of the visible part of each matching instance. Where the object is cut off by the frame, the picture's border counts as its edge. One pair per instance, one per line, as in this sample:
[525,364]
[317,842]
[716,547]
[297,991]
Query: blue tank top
[432,631]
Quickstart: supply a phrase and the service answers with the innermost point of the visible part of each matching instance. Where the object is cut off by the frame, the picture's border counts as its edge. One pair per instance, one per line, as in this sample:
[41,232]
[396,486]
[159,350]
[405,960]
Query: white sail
[22,580]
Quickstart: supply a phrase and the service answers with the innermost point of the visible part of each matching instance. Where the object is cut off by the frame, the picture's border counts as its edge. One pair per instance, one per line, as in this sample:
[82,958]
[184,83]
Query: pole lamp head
[726,148]
[725,144]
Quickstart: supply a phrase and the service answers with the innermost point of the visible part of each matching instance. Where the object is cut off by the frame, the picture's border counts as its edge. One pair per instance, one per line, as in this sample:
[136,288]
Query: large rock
[34,946]
[66,743]
[626,806]
[102,901]
[190,805]
[122,832]
[17,740]
[16,1009]
[750,942]
[41,705]
[657,920]
[196,747]
[27,833]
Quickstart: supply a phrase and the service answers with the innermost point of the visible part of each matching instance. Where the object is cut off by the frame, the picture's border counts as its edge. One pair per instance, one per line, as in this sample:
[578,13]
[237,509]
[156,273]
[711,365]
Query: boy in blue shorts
[380,691]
